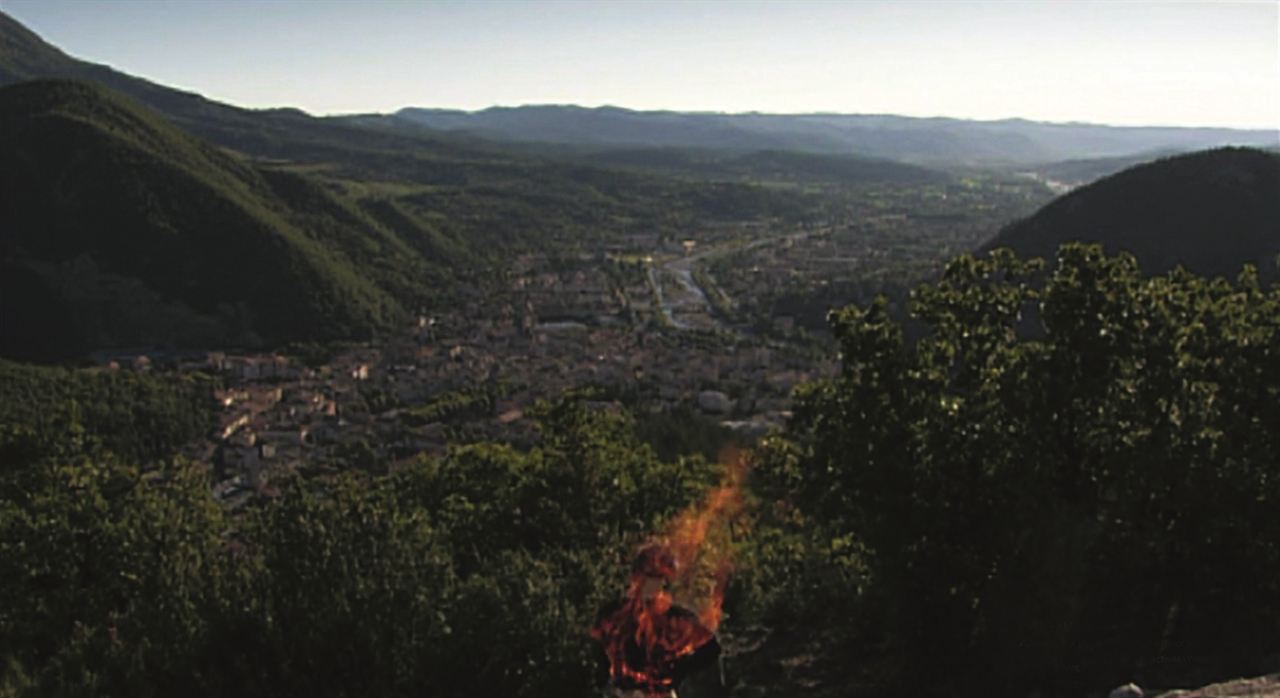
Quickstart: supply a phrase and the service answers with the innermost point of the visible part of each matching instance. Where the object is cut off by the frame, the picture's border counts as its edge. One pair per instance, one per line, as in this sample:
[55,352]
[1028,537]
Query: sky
[1110,61]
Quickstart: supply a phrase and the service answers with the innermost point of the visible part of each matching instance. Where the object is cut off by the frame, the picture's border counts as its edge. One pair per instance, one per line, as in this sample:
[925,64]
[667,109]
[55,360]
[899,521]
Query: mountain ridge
[1210,211]
[920,140]
[573,106]
[292,134]
[125,230]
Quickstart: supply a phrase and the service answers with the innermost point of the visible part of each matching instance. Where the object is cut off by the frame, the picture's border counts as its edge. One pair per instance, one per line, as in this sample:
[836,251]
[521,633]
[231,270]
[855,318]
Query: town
[632,329]
[721,326]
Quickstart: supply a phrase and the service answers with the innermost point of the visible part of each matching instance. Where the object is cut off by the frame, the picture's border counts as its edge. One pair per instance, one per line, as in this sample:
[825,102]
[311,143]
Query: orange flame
[647,638]
[700,539]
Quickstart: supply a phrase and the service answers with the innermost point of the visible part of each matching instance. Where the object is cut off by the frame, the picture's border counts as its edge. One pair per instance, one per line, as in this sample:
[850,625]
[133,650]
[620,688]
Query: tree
[1069,475]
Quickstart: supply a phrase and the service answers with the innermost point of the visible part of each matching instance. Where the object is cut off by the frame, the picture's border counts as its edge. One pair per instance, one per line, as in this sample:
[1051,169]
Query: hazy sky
[1189,63]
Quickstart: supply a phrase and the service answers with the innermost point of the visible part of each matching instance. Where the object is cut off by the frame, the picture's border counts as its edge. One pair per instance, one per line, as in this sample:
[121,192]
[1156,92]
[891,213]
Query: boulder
[714,402]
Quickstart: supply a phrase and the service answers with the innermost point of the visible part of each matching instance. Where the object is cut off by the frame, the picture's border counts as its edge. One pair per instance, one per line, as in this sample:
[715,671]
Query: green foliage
[477,573]
[111,578]
[682,431]
[472,402]
[1069,478]
[62,413]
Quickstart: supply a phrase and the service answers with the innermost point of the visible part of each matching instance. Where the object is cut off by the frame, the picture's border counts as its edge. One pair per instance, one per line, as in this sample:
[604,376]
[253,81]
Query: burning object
[652,643]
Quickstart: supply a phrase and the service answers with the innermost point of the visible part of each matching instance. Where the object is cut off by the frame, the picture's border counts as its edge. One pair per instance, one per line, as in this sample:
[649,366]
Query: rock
[1128,690]
[1260,687]
[714,402]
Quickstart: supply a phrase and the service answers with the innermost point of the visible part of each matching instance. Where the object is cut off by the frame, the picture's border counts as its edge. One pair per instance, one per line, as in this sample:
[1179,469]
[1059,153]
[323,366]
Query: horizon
[713,112]
[1189,65]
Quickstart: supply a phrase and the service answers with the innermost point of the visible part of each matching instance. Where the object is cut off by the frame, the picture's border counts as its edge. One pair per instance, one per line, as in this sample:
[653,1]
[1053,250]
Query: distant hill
[1211,212]
[292,134]
[917,140]
[767,165]
[121,230]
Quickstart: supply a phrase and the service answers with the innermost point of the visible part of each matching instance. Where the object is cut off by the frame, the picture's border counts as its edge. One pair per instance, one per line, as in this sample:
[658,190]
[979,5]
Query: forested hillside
[61,414]
[1210,211]
[120,230]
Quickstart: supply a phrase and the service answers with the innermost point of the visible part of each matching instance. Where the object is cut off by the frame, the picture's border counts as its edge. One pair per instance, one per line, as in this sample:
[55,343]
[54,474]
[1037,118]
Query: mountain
[1210,211]
[291,134]
[121,230]
[907,139]
[25,56]
[284,134]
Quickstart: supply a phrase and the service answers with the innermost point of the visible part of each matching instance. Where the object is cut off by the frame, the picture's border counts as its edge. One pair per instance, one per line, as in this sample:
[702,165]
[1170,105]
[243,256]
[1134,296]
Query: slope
[121,230]
[460,178]
[936,141]
[285,134]
[1210,211]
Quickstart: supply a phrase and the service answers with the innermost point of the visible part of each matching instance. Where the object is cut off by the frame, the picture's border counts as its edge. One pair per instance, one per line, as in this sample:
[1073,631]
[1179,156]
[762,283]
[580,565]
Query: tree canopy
[1071,477]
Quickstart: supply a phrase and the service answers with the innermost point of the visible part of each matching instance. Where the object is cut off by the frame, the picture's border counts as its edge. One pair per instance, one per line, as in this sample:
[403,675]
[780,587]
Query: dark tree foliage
[679,431]
[132,232]
[109,580]
[56,412]
[478,573]
[1208,211]
[1070,480]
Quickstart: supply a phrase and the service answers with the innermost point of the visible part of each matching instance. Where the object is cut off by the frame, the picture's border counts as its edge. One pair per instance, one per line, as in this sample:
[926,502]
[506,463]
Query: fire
[651,641]
[700,540]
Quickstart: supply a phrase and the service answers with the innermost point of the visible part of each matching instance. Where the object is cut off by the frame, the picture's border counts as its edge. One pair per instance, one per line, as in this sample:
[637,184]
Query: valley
[654,325]
[587,400]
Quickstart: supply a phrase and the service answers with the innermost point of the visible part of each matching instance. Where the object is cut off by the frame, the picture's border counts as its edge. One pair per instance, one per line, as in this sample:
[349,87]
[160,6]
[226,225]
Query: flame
[648,636]
[700,539]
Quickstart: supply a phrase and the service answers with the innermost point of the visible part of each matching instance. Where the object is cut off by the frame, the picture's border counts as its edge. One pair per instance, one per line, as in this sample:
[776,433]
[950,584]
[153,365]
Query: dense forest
[1066,483]
[50,413]
[1208,211]
[130,232]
